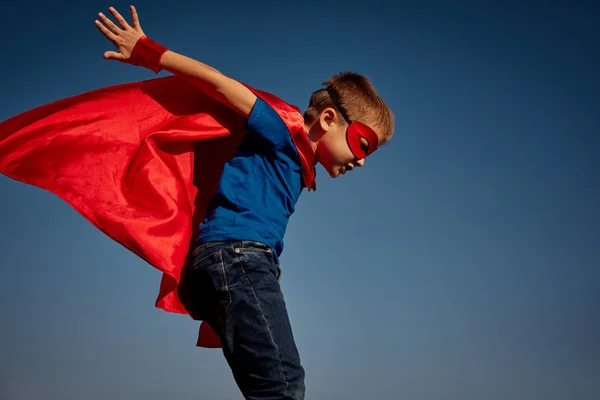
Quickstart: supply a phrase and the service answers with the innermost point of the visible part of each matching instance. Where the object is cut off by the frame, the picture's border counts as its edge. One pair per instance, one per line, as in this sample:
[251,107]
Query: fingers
[108,34]
[119,18]
[123,36]
[135,20]
[111,25]
[113,55]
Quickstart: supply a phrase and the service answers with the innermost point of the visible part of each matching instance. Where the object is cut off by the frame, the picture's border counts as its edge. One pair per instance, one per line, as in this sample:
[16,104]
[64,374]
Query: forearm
[209,80]
[137,49]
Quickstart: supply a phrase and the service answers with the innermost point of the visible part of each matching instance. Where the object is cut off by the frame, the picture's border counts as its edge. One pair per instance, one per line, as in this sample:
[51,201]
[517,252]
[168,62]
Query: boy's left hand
[124,37]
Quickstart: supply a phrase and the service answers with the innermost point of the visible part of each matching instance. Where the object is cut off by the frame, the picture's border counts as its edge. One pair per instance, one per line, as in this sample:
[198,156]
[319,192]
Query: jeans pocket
[259,267]
[207,258]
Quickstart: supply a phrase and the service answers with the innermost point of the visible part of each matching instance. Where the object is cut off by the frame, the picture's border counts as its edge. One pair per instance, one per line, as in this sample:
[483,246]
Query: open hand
[124,37]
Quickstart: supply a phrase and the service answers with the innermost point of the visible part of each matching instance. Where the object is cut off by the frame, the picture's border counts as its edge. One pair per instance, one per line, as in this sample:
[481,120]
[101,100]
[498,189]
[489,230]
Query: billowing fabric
[124,157]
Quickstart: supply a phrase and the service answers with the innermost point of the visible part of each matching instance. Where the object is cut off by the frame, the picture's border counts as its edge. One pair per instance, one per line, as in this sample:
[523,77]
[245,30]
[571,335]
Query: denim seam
[225,284]
[268,328]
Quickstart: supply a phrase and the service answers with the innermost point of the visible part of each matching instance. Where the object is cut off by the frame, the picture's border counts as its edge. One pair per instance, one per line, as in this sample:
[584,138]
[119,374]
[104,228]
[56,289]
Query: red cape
[124,157]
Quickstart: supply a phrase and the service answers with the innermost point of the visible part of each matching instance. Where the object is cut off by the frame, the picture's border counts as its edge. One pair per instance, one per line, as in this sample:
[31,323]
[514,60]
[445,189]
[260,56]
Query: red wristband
[147,53]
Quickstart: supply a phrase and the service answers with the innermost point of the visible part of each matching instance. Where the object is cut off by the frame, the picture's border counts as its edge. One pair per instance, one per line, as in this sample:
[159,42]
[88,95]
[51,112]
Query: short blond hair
[357,96]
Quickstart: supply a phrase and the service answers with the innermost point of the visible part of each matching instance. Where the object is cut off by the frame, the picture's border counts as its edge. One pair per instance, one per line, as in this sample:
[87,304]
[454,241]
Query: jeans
[234,287]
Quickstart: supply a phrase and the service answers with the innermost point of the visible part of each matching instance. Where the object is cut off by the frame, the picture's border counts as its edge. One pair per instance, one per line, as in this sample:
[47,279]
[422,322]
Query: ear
[327,118]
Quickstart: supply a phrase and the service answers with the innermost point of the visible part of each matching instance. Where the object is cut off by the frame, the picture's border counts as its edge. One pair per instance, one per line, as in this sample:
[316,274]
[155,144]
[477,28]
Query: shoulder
[265,121]
[297,136]
[274,120]
[289,114]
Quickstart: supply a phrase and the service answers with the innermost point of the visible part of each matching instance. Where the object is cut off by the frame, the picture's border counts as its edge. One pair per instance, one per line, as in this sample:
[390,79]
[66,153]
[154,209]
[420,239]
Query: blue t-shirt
[259,186]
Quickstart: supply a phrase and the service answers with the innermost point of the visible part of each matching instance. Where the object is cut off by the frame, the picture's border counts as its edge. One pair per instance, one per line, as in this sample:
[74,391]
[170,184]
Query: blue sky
[462,262]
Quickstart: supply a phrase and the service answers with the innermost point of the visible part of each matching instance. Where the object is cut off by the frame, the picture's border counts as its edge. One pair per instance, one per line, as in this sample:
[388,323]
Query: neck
[311,135]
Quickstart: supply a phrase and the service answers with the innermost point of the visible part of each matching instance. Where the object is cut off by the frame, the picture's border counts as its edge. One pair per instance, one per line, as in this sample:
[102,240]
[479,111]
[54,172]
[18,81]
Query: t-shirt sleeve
[266,123]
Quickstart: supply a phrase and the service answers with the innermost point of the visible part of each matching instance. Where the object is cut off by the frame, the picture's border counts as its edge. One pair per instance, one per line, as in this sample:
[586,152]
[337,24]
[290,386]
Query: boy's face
[333,151]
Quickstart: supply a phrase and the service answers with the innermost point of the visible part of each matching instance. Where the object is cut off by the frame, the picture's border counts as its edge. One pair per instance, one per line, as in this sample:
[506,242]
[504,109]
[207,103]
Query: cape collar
[307,157]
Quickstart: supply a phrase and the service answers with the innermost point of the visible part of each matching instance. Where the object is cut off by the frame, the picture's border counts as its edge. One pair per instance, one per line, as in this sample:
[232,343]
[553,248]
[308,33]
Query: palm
[124,37]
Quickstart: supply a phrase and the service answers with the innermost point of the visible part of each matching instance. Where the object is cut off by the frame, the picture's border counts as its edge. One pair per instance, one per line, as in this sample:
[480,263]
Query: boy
[232,279]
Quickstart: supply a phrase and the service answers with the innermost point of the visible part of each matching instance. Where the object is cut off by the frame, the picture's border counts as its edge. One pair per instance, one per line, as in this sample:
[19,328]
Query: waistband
[233,244]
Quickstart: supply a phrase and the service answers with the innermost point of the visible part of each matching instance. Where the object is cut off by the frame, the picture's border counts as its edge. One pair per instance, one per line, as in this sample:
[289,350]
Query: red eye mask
[356,130]
[354,133]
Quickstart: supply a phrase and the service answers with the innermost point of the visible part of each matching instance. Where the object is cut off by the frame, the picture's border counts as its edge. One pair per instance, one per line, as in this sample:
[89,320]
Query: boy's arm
[212,82]
[209,80]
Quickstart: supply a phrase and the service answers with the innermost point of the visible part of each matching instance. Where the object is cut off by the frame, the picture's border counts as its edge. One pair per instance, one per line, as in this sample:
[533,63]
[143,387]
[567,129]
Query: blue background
[462,262]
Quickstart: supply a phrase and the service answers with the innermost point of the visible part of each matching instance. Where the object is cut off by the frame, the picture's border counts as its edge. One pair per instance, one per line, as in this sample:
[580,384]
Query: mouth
[345,169]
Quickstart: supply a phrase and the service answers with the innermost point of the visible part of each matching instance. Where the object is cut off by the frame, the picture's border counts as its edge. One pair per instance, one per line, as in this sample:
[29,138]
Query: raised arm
[212,82]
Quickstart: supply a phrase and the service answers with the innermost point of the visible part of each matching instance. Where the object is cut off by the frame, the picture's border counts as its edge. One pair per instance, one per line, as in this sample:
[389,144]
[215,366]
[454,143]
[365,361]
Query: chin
[335,173]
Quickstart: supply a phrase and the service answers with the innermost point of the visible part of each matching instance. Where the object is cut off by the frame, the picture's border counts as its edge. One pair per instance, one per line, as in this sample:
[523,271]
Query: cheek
[334,153]
[343,154]
[324,156]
